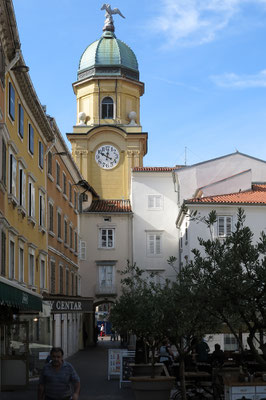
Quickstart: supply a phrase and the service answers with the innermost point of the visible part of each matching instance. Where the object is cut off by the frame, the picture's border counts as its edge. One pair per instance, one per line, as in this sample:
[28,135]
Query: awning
[15,297]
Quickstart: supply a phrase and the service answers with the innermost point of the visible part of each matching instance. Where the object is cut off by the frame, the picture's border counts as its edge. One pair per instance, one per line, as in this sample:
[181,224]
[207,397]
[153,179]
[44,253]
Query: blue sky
[203,63]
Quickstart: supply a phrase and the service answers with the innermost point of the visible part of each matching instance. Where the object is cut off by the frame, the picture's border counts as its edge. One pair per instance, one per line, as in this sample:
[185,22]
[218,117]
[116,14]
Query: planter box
[145,369]
[157,388]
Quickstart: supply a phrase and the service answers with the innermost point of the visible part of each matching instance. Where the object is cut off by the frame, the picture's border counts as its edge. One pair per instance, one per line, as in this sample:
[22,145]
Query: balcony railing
[101,290]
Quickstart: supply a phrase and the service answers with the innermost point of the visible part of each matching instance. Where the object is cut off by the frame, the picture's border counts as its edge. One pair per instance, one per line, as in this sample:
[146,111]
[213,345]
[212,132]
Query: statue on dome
[109,22]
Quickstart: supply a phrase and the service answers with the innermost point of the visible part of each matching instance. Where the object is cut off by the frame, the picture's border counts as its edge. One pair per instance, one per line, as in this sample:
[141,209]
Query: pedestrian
[102,330]
[58,379]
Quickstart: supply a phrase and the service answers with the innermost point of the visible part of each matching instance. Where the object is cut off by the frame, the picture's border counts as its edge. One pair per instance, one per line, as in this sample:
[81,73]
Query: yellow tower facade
[107,140]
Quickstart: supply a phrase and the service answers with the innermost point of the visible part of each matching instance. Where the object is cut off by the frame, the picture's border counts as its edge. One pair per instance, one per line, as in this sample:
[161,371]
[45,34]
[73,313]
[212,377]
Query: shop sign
[70,305]
[25,298]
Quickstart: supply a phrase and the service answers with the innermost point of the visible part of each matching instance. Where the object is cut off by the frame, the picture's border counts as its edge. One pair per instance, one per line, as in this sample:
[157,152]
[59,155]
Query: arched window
[107,108]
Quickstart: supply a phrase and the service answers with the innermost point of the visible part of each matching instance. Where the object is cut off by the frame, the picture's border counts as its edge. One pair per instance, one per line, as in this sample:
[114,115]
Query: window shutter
[151,244]
[82,250]
[23,189]
[221,230]
[32,201]
[158,244]
[228,226]
[14,175]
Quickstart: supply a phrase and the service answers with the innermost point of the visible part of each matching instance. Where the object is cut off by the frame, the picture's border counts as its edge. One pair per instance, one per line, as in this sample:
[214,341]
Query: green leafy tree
[229,277]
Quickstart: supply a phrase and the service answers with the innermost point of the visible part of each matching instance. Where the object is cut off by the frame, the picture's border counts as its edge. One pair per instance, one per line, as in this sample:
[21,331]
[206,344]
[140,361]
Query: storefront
[72,322]
[18,309]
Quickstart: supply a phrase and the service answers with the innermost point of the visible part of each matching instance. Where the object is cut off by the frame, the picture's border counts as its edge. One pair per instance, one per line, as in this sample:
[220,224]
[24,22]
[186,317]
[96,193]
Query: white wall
[89,228]
[154,183]
[192,178]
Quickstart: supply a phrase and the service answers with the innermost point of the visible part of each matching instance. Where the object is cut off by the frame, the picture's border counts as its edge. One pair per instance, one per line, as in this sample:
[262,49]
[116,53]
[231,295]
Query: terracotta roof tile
[257,195]
[110,206]
[153,169]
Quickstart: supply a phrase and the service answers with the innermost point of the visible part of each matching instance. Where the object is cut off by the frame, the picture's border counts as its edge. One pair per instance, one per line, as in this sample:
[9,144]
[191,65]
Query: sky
[203,63]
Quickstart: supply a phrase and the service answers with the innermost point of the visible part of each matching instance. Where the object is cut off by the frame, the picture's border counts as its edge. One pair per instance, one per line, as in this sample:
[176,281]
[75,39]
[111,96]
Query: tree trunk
[182,377]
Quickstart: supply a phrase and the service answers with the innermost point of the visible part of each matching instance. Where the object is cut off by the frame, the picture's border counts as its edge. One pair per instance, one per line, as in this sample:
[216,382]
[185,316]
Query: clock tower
[107,140]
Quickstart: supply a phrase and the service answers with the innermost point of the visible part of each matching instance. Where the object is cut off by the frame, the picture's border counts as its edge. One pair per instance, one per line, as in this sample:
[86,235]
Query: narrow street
[91,365]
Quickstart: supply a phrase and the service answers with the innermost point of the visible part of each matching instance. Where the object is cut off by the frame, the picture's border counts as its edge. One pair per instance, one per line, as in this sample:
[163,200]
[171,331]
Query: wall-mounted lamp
[20,68]
[60,153]
[35,319]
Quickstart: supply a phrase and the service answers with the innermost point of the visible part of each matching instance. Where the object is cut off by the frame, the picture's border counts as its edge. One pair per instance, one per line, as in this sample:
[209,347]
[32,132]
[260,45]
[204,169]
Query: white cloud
[194,22]
[240,81]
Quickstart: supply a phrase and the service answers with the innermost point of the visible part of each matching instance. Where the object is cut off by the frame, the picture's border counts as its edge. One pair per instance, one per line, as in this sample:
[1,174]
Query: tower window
[107,108]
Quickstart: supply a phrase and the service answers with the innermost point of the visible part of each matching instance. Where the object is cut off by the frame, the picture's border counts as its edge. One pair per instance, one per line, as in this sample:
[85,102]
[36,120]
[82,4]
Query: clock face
[107,156]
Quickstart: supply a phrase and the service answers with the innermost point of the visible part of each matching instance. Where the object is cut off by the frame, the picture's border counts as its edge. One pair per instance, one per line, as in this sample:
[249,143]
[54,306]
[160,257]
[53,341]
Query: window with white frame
[3,253]
[70,191]
[50,163]
[59,224]
[65,231]
[224,225]
[57,174]
[22,186]
[31,266]
[230,342]
[12,174]
[106,276]
[11,258]
[42,273]
[31,139]
[75,200]
[52,277]
[41,155]
[3,165]
[21,263]
[41,209]
[70,236]
[67,281]
[61,279]
[51,216]
[107,108]
[31,198]
[64,184]
[154,243]
[11,101]
[106,238]
[82,250]
[20,120]
[155,201]
[75,242]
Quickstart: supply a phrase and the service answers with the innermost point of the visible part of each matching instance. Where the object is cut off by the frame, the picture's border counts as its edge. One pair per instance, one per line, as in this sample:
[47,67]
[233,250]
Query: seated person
[165,354]
[217,356]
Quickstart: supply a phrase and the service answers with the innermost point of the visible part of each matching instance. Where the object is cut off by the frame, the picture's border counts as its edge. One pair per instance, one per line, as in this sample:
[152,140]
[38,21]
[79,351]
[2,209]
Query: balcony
[104,290]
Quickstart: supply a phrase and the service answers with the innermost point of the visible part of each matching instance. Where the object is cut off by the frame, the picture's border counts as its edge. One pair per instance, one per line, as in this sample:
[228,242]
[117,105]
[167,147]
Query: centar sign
[62,305]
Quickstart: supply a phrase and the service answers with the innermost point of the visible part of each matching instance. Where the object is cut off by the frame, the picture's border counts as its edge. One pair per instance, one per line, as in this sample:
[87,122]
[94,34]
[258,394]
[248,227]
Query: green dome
[108,56]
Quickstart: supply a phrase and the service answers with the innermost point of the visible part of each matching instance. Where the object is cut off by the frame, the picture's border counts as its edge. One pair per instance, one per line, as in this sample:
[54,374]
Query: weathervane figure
[109,22]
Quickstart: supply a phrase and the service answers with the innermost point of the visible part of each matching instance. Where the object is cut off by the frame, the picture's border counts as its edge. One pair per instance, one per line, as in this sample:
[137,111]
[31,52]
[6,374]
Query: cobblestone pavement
[91,365]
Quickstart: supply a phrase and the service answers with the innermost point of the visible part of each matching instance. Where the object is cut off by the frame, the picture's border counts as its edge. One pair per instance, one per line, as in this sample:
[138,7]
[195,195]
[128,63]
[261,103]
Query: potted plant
[139,311]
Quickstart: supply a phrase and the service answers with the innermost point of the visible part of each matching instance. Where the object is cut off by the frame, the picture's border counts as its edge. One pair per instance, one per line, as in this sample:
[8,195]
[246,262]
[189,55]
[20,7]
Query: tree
[154,312]
[229,277]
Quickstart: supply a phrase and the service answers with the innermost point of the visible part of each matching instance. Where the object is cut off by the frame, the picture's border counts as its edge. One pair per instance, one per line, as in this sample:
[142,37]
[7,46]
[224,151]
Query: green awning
[12,296]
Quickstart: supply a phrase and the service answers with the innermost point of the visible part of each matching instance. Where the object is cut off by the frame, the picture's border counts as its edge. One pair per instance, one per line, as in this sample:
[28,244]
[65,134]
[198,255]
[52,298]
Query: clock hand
[106,156]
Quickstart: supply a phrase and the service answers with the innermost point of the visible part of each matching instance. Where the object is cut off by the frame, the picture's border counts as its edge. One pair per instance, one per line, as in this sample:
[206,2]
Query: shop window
[107,108]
